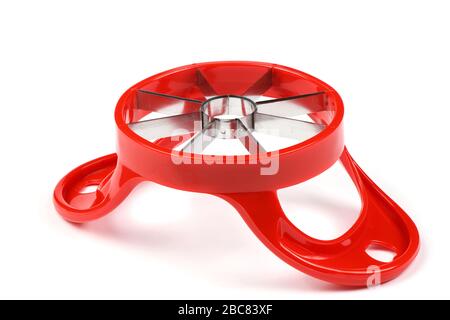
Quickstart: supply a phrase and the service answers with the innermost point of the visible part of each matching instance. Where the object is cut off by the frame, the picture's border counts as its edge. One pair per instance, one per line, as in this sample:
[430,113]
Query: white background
[64,65]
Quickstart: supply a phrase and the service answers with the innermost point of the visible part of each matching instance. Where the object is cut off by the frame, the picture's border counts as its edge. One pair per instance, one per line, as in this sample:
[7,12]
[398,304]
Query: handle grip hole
[91,188]
[381,252]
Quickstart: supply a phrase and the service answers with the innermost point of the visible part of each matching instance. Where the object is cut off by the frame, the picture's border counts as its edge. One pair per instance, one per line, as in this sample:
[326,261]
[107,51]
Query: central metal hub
[228,117]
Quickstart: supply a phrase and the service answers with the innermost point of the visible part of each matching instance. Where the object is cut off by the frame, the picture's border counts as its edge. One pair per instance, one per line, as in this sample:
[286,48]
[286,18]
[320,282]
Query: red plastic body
[342,261]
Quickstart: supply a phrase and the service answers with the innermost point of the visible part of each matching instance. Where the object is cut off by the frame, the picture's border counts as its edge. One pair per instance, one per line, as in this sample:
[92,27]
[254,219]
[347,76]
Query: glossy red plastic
[341,261]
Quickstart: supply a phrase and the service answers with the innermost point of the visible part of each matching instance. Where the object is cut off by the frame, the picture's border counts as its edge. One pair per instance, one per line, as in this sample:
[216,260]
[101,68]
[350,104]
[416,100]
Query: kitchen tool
[241,131]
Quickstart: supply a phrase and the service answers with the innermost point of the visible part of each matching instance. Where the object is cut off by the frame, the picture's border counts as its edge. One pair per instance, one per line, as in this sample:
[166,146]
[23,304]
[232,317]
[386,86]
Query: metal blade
[249,141]
[260,86]
[171,96]
[205,87]
[165,103]
[285,127]
[293,105]
[167,126]
[199,141]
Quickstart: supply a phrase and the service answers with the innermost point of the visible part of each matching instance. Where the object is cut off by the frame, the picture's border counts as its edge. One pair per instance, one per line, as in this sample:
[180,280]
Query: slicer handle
[111,183]
[343,260]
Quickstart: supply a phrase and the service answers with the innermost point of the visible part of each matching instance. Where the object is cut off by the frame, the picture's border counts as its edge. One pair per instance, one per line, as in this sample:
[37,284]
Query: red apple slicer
[241,131]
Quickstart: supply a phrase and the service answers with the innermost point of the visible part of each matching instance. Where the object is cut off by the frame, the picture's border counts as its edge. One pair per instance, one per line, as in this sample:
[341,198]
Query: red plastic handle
[343,260]
[112,183]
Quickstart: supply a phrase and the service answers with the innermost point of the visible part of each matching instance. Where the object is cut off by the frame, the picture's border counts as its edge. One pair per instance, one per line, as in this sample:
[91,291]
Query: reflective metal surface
[228,116]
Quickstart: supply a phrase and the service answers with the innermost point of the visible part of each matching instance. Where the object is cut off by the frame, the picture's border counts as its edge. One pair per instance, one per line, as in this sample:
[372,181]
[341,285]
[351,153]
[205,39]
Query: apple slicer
[241,131]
